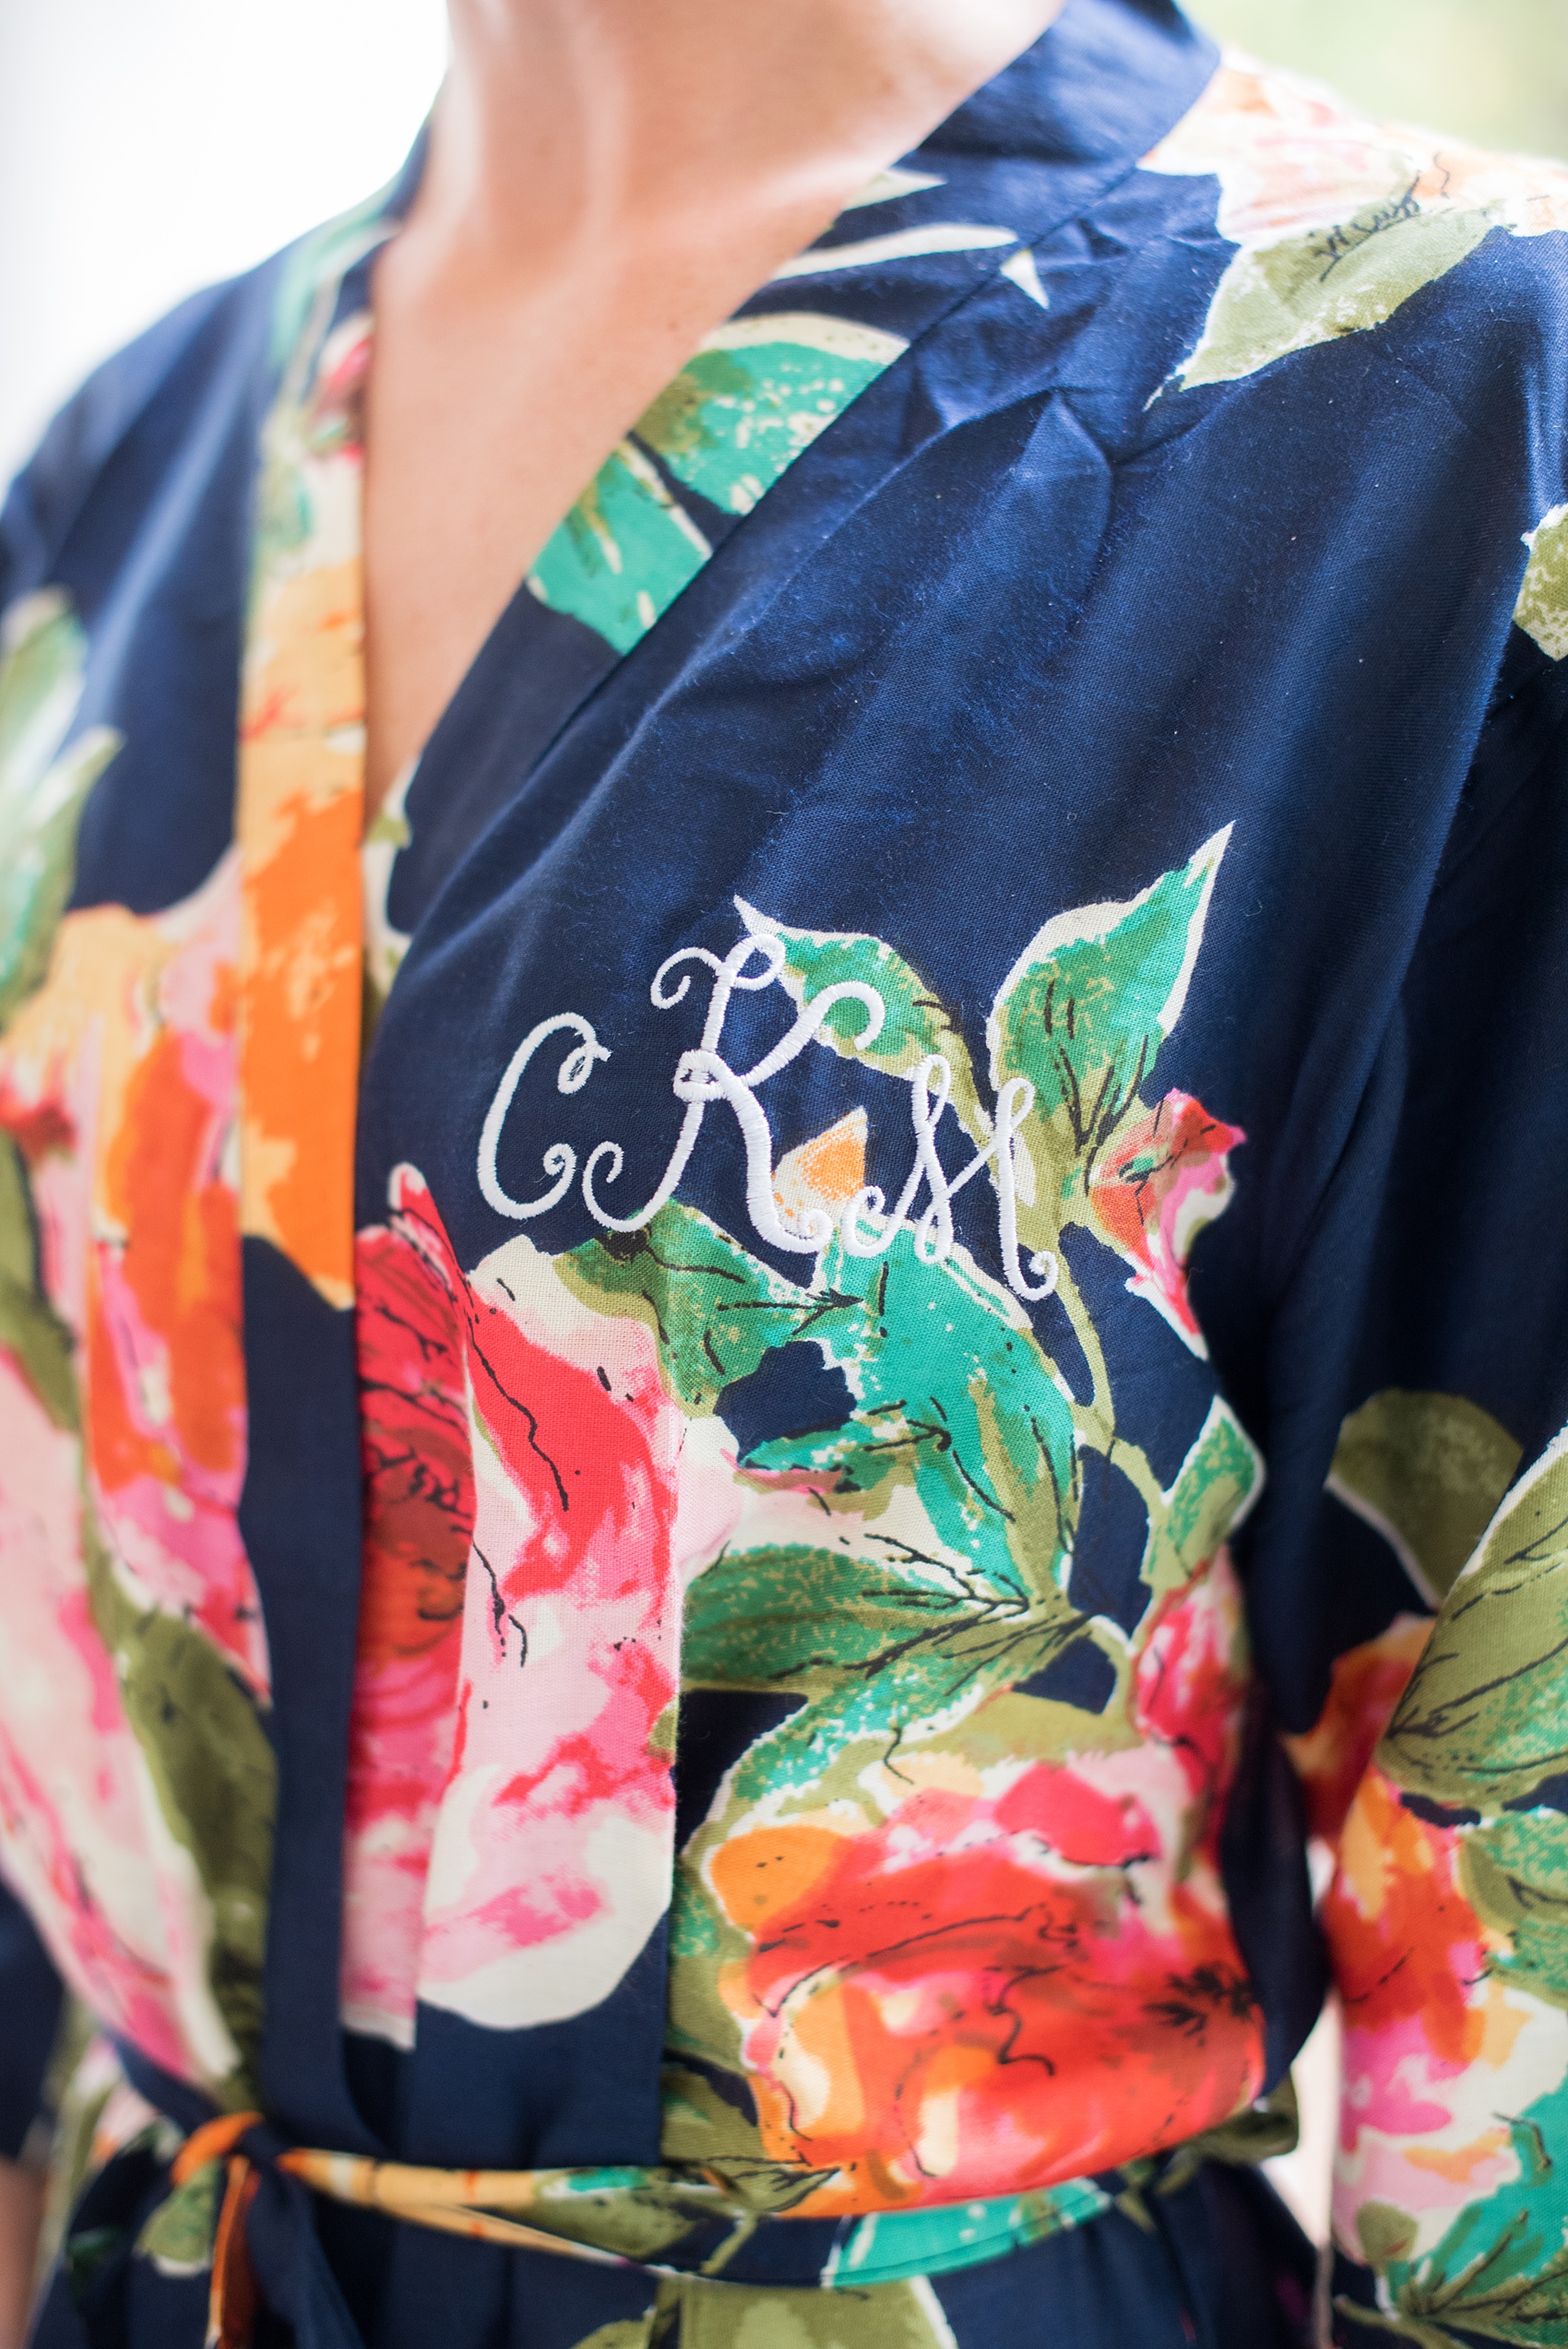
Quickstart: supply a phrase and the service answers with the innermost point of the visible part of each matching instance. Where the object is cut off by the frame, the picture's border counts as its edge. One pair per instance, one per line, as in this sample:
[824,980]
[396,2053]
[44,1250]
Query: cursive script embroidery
[703,1077]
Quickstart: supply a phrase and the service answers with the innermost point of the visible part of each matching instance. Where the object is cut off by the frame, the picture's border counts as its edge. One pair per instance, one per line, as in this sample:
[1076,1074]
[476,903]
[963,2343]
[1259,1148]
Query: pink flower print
[1439,2049]
[555,1842]
[534,1500]
[83,1845]
[419,1502]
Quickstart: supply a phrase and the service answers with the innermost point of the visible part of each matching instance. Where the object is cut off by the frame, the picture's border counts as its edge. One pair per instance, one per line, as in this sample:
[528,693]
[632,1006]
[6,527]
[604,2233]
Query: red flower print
[1015,1974]
[1165,1174]
[1366,1685]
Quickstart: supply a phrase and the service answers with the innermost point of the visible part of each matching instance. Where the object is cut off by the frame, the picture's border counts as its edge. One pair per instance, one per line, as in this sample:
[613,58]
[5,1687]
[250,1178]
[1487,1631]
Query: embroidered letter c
[560,1159]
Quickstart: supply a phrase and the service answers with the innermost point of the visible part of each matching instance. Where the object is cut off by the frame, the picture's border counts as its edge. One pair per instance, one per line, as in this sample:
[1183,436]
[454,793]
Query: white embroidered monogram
[703,1076]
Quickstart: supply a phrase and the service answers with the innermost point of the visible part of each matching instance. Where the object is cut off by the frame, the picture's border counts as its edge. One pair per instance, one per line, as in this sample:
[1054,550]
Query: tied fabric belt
[468,2202]
[675,2221]
[704,2220]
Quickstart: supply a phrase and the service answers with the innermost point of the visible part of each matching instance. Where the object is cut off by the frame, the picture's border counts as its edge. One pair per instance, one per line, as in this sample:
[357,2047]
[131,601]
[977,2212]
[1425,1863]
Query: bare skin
[608,180]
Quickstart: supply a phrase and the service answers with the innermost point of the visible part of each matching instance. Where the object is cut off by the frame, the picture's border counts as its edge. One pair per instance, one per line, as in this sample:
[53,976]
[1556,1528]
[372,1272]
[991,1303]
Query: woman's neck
[607,181]
[579,127]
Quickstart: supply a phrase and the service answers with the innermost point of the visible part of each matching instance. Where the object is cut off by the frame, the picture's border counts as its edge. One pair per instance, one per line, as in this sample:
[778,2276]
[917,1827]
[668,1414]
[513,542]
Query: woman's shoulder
[1341,221]
[109,449]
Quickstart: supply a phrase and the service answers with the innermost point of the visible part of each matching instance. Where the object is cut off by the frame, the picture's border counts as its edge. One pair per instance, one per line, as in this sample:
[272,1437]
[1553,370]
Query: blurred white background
[148,147]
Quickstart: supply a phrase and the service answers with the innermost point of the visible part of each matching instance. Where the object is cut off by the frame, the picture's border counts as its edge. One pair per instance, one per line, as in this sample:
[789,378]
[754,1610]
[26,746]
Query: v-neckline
[299,804]
[666,480]
[662,482]
[943,207]
[670,495]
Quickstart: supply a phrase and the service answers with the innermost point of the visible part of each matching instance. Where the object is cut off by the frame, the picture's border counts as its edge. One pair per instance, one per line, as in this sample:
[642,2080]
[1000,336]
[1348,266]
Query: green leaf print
[945,2237]
[758,392]
[715,2315]
[1514,1873]
[42,790]
[1542,609]
[1499,2274]
[212,1766]
[622,553]
[1304,290]
[1426,1471]
[1386,2234]
[817,1756]
[714,1309]
[705,2130]
[953,1395]
[1482,1722]
[638,2213]
[178,2236]
[736,417]
[1083,1013]
[31,1329]
[622,2332]
[41,653]
[803,1618]
[916,1023]
[1215,1486]
[704,2312]
[901,1655]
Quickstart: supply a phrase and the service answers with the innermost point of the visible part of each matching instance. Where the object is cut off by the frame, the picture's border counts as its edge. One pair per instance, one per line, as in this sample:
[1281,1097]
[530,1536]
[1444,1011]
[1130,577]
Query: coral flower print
[985,1976]
[1367,1683]
[134,1106]
[1164,1175]
[1288,154]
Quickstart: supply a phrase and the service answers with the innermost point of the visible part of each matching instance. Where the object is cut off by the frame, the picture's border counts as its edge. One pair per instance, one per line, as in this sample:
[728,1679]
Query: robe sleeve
[116,419]
[1424,1347]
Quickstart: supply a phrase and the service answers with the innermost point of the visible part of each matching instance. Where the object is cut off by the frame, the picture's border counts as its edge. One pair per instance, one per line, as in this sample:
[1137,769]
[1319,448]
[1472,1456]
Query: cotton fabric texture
[710,1453]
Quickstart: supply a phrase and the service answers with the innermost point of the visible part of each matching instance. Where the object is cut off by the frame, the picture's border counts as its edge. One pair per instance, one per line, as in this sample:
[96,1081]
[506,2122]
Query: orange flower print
[133,1105]
[1010,1975]
[299,819]
[1367,1683]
